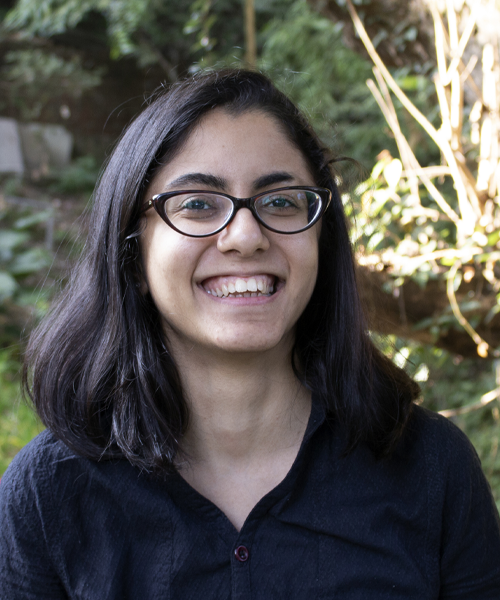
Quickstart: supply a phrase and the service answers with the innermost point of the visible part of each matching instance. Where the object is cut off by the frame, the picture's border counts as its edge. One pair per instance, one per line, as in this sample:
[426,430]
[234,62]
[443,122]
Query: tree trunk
[404,313]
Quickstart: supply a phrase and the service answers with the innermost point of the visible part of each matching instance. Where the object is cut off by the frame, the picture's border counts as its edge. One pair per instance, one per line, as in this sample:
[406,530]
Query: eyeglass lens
[206,212]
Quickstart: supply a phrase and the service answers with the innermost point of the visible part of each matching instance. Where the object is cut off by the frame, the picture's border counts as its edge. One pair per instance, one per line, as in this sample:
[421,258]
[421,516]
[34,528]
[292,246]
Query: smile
[240,287]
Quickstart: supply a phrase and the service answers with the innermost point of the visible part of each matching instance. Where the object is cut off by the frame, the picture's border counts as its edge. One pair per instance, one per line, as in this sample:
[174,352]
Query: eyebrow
[199,179]
[220,183]
[271,179]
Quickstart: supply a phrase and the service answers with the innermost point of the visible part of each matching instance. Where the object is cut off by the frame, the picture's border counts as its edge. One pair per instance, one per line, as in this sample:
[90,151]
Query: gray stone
[11,157]
[45,146]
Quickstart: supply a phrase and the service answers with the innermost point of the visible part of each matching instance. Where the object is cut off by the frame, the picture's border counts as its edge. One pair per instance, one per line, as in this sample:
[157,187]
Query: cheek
[305,265]
[169,261]
[159,256]
[307,252]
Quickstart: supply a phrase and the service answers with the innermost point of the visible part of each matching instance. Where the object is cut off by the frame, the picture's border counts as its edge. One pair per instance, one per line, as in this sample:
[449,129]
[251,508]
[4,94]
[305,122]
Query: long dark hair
[98,369]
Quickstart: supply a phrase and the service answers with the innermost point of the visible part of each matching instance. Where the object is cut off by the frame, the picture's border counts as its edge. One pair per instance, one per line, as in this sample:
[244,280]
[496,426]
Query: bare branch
[462,410]
[407,156]
[469,216]
[482,346]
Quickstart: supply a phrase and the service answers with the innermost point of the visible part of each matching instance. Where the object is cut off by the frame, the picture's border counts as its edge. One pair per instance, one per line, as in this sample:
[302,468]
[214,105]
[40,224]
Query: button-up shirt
[419,525]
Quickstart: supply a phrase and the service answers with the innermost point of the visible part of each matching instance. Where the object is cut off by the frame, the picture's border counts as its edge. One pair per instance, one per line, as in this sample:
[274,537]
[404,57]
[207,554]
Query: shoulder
[47,472]
[447,451]
[28,560]
[31,488]
[35,464]
[427,423]
[460,497]
[433,445]
[31,463]
[437,438]
[44,447]
[47,478]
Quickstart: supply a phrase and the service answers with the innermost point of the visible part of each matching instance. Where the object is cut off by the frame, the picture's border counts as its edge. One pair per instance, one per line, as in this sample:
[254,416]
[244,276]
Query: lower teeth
[243,295]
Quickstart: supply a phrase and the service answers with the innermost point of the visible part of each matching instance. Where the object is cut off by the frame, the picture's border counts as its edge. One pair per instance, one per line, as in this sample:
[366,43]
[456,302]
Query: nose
[243,235]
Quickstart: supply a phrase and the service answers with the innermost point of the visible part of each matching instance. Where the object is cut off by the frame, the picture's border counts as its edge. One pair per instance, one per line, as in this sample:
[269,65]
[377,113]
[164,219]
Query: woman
[219,424]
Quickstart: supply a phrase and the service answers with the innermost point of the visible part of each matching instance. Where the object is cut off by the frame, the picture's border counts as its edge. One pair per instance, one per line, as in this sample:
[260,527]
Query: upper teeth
[254,286]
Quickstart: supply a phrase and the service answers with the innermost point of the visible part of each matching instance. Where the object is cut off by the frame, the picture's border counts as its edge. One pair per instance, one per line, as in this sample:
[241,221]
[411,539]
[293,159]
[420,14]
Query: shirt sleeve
[26,568]
[470,552]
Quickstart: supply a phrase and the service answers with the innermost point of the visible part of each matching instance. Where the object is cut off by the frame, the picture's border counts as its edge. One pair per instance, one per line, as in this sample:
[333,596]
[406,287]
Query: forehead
[236,148]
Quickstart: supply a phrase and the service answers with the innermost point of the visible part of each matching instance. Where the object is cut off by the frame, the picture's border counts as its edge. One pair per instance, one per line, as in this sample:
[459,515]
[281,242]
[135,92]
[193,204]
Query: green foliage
[33,78]
[149,30]
[17,258]
[25,293]
[49,17]
[305,53]
[410,236]
[80,176]
[300,47]
[24,260]
[18,423]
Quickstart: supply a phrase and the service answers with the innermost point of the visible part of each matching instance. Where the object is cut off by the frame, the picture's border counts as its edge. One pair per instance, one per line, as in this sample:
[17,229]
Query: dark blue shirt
[420,525]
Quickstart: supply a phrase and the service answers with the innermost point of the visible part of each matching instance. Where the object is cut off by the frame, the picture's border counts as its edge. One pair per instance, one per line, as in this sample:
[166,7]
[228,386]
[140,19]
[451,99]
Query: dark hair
[97,368]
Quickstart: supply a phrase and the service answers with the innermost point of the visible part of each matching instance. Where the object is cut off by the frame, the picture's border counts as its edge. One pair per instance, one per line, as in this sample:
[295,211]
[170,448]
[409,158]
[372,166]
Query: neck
[243,407]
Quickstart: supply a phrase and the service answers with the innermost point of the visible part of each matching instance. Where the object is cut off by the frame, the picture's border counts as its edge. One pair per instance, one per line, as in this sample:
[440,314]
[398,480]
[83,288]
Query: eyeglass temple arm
[149,204]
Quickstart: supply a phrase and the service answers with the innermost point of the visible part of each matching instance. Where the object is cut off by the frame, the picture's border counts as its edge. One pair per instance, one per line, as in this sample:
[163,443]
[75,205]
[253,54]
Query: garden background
[410,89]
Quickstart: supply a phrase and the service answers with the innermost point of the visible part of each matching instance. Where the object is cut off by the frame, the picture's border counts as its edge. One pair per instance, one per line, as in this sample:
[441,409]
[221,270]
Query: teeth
[241,288]
[240,285]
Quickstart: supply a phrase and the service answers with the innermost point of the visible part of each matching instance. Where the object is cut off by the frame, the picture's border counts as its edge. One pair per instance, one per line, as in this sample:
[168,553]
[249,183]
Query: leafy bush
[80,176]
[31,78]
[18,423]
[23,257]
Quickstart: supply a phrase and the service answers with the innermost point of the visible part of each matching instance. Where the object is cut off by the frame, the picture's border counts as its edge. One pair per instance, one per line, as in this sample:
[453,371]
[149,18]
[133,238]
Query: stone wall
[33,148]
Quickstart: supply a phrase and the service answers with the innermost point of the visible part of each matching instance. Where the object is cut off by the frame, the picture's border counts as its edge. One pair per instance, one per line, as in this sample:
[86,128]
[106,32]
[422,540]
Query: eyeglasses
[200,213]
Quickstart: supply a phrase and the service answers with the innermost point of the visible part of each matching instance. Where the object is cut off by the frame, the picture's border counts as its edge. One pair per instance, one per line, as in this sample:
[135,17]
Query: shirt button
[241,553]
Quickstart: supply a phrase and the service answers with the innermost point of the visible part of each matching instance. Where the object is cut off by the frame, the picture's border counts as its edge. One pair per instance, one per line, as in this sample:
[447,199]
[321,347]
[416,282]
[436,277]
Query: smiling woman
[219,423]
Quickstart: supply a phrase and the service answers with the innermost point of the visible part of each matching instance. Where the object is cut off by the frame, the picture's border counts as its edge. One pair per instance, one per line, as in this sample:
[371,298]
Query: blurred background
[409,89]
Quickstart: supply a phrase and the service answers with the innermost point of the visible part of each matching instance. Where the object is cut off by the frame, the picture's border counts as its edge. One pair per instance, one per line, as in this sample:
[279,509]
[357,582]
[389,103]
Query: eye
[279,205]
[196,206]
[278,201]
[196,203]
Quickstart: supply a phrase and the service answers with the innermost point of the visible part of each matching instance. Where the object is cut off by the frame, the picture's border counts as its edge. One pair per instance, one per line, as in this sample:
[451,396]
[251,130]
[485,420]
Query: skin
[248,412]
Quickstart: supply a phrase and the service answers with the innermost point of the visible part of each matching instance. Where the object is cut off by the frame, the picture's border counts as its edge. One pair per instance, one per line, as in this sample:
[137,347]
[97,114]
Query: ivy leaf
[30,262]
[8,241]
[8,285]
[39,217]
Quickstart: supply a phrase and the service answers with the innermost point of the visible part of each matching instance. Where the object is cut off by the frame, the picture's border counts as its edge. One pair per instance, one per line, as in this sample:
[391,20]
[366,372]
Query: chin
[249,344]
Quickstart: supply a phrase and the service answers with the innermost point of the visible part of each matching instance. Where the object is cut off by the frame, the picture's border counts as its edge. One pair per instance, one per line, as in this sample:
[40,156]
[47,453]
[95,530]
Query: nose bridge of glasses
[244,203]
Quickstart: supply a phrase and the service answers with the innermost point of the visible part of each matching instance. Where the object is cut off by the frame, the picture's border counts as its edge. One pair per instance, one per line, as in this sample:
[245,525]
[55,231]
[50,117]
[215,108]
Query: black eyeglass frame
[158,201]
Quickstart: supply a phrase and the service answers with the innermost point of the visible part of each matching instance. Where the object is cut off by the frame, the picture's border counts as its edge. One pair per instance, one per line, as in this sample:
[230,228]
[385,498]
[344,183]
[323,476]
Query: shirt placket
[241,562]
